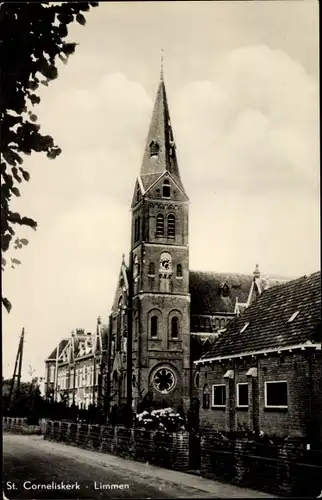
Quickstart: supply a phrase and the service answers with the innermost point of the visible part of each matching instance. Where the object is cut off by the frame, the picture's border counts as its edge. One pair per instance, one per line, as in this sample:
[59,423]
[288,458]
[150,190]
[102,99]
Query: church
[165,315]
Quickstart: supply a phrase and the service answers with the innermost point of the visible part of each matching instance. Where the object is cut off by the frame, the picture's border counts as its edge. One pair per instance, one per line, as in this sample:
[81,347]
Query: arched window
[222,323]
[171,225]
[216,323]
[154,326]
[136,266]
[151,269]
[175,327]
[206,397]
[139,229]
[179,271]
[160,225]
[166,188]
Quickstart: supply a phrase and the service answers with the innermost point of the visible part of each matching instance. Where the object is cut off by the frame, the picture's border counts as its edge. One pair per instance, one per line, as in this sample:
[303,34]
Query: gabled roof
[268,317]
[53,355]
[206,291]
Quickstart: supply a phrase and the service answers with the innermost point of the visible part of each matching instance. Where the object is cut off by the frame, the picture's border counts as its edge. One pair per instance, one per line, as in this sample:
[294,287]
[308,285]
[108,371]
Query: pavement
[31,464]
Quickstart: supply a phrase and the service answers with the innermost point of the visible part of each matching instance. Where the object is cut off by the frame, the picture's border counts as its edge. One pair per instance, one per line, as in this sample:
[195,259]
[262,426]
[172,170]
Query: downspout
[311,423]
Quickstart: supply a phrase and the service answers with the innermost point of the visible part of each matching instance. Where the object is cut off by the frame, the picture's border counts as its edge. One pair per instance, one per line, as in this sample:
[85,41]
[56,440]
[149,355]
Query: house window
[242,395]
[154,326]
[166,188]
[206,397]
[160,225]
[171,225]
[276,394]
[179,271]
[151,269]
[175,327]
[219,395]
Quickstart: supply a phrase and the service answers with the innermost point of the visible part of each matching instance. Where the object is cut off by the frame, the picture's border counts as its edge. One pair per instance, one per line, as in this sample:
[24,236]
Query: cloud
[254,126]
[247,147]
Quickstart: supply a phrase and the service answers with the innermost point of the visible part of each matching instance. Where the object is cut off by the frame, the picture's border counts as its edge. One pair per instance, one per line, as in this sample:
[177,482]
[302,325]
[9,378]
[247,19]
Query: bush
[165,419]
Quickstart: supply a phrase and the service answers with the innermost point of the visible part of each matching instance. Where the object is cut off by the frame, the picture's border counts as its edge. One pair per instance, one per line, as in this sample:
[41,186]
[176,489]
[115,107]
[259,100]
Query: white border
[212,395]
[265,392]
[237,395]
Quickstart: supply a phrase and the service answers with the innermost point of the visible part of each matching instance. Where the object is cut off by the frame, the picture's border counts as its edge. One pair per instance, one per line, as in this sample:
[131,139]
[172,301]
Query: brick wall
[285,469]
[19,426]
[297,420]
[164,449]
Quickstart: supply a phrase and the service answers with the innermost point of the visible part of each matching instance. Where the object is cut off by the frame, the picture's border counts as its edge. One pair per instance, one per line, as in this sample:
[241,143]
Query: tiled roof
[62,344]
[268,317]
[205,291]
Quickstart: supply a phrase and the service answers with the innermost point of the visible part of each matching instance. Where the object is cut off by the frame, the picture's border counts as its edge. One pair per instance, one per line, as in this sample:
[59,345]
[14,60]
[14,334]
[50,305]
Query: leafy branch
[32,41]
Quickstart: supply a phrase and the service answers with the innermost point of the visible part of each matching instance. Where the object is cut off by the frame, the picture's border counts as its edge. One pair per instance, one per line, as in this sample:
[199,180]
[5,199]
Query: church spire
[160,151]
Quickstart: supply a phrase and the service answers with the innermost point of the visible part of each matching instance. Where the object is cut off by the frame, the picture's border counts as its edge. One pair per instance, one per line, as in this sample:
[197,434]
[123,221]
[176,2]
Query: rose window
[164,380]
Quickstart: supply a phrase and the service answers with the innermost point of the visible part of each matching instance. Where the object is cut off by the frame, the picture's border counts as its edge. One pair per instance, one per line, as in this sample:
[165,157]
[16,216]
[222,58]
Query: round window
[164,380]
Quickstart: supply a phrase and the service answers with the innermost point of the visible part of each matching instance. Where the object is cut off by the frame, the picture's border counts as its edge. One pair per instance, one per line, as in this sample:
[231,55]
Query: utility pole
[17,369]
[129,333]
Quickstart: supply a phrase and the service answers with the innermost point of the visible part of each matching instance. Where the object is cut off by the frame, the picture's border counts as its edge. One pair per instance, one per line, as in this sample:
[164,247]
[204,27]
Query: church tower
[160,268]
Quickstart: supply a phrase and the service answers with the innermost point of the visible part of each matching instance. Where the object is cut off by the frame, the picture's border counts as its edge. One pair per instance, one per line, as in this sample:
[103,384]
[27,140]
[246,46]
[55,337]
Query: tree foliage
[32,41]
[25,403]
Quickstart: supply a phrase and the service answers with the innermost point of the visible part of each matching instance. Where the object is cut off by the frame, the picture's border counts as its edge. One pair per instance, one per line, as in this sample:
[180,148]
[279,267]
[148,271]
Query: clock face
[165,261]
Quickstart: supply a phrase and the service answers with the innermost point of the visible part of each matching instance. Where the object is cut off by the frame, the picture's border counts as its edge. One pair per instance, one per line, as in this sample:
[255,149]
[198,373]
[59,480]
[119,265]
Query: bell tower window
[174,327]
[151,269]
[154,148]
[137,229]
[166,188]
[160,225]
[154,326]
[171,225]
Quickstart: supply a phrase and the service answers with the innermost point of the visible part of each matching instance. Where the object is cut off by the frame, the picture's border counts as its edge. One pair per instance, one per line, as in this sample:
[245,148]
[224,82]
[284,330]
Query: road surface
[29,462]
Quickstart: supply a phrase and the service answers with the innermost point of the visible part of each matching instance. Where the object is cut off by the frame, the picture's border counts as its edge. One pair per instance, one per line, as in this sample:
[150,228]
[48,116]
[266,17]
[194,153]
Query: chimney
[256,273]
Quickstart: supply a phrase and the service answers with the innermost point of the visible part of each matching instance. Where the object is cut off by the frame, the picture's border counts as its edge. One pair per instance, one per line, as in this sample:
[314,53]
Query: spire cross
[162,52]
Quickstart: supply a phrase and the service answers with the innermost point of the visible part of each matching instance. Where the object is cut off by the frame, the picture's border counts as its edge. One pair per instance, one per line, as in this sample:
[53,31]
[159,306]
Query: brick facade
[303,411]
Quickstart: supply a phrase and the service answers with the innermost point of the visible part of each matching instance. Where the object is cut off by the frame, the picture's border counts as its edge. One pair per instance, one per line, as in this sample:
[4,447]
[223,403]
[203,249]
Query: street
[30,462]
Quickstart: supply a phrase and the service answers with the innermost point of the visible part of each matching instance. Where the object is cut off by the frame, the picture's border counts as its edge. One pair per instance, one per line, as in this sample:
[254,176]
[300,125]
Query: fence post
[180,450]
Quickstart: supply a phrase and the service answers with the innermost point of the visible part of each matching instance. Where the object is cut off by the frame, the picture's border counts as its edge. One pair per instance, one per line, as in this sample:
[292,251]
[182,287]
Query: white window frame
[265,393]
[237,395]
[213,394]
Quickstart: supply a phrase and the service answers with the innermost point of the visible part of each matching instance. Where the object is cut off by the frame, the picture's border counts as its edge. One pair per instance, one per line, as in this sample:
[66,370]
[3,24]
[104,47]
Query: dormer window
[292,318]
[154,148]
[224,290]
[166,188]
[244,327]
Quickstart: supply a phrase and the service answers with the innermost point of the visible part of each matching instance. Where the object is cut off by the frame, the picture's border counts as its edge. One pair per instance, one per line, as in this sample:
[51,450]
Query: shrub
[165,419]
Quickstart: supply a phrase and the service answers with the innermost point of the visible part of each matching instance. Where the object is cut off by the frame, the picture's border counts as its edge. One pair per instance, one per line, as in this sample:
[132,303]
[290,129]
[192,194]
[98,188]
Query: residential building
[264,372]
[75,368]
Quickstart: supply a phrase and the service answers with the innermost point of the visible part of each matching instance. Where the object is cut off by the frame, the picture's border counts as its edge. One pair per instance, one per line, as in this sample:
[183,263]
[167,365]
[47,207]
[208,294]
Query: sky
[242,85]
